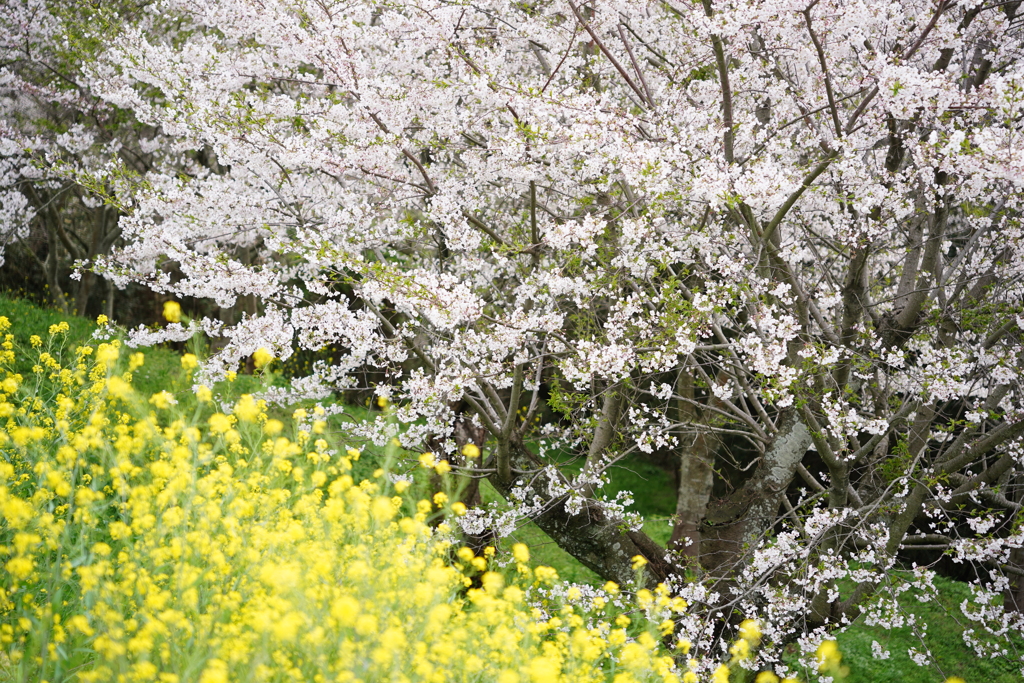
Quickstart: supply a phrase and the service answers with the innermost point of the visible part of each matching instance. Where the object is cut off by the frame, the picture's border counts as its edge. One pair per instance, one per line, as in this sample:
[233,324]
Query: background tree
[779,241]
[65,151]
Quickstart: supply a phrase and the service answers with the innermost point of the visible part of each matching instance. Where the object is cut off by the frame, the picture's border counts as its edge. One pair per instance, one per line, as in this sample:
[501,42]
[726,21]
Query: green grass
[27,319]
[162,365]
[542,549]
[952,657]
[654,500]
[653,494]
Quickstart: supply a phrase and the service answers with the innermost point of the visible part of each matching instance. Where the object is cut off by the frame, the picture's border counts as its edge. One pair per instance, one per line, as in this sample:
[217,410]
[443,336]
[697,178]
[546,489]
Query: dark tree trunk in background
[600,543]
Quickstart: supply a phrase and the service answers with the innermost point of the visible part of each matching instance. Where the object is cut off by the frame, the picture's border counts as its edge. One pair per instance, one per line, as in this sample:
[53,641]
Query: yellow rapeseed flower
[216,670]
[828,655]
[521,553]
[10,384]
[162,399]
[262,357]
[384,509]
[740,650]
[107,354]
[493,582]
[247,409]
[172,311]
[266,555]
[750,630]
[189,362]
[544,669]
[20,567]
[219,423]
[546,574]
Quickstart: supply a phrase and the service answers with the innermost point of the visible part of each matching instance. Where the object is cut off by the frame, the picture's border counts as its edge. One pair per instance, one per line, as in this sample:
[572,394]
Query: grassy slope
[161,366]
[655,501]
[945,623]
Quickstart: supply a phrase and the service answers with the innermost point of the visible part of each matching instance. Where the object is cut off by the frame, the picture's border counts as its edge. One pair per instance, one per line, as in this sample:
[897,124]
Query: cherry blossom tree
[779,241]
[63,150]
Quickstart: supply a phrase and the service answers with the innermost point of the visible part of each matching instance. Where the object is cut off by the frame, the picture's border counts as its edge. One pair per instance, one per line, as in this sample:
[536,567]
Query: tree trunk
[108,305]
[603,544]
[739,521]
[695,477]
[51,268]
[1013,596]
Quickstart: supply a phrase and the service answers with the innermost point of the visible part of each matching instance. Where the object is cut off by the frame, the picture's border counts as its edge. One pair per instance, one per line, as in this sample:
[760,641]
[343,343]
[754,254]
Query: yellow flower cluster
[172,311]
[157,539]
[262,357]
[830,660]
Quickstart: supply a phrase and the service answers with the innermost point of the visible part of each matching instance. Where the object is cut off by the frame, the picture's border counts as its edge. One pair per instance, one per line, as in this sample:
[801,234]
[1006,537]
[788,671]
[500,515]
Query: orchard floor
[945,622]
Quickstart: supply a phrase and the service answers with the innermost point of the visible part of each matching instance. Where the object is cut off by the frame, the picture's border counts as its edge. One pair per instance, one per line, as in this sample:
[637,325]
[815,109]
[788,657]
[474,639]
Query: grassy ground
[162,365]
[952,657]
[944,619]
[655,500]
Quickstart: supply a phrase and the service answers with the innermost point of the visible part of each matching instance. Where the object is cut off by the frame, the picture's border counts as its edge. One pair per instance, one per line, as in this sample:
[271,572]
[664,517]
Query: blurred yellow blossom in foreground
[172,311]
[262,357]
[157,539]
